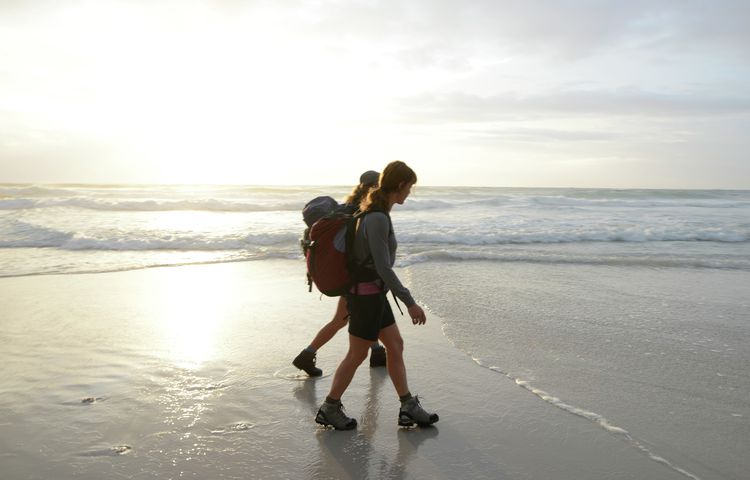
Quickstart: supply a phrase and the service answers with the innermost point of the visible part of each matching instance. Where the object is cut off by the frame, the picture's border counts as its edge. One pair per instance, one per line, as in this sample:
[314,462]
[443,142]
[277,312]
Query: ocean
[77,228]
[627,308]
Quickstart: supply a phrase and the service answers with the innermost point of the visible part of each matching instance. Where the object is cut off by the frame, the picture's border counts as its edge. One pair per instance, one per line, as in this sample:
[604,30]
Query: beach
[568,199]
[148,331]
[184,372]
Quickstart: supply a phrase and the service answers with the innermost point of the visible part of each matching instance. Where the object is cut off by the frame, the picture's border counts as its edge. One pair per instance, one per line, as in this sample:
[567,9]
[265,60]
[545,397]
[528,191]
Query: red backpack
[326,251]
[327,245]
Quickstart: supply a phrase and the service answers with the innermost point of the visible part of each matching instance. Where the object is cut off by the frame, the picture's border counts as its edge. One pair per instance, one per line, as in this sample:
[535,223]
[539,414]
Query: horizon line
[274,185]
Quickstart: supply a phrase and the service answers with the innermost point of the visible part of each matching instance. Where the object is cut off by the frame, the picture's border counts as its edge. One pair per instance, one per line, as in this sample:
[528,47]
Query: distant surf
[115,227]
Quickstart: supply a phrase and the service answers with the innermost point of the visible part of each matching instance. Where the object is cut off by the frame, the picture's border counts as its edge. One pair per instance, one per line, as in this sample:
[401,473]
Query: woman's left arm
[378,230]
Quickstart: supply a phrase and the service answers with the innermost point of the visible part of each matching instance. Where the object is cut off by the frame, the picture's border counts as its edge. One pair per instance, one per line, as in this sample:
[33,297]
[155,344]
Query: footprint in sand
[85,401]
[108,452]
[89,400]
[234,428]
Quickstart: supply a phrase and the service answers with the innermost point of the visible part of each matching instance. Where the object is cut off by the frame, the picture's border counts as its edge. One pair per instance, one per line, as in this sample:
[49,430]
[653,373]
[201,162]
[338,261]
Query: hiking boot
[306,361]
[411,412]
[333,415]
[377,356]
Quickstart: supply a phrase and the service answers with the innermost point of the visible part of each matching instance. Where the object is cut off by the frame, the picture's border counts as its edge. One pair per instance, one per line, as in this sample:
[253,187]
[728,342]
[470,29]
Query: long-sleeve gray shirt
[375,237]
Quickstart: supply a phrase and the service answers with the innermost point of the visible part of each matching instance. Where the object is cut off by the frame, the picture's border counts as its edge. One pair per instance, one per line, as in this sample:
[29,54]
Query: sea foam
[435,224]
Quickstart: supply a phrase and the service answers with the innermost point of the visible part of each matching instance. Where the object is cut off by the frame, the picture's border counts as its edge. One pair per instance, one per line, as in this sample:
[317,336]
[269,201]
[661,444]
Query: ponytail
[358,194]
[377,199]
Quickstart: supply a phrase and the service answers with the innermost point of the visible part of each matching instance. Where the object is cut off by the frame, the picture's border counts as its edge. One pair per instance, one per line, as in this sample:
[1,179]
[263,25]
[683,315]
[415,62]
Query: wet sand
[185,373]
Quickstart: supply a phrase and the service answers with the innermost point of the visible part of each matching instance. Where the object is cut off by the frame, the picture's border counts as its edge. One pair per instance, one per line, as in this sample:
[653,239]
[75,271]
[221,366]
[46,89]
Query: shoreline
[190,369]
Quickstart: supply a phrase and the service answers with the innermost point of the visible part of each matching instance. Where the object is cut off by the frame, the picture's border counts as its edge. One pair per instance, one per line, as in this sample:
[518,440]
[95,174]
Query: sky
[544,93]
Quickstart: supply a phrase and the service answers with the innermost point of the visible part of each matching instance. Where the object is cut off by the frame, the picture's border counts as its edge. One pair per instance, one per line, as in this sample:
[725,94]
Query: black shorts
[368,314]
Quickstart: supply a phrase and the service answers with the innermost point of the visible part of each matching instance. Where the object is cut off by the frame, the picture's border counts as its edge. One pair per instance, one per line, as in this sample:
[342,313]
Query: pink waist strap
[367,288]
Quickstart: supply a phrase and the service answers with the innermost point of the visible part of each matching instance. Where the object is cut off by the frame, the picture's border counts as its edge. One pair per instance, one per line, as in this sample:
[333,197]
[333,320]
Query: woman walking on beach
[370,314]
[306,358]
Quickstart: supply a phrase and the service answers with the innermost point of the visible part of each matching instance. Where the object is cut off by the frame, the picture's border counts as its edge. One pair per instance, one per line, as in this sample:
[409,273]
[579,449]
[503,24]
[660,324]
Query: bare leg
[339,321]
[358,348]
[394,345]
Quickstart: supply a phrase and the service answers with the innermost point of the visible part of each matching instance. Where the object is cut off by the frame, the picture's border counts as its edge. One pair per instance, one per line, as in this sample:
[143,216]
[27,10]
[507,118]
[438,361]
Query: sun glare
[193,309]
[207,95]
[205,99]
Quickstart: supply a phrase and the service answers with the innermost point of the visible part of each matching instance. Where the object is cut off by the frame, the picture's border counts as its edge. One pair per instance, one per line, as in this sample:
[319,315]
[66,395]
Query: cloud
[462,107]
[698,26]
[562,30]
[567,29]
[534,135]
[442,79]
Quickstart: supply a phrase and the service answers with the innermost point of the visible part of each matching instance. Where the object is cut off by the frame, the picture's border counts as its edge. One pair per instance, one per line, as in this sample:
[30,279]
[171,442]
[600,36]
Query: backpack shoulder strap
[352,228]
[360,215]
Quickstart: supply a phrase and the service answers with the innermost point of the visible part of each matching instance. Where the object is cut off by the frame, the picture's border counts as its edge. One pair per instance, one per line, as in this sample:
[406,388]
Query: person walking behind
[370,314]
[306,358]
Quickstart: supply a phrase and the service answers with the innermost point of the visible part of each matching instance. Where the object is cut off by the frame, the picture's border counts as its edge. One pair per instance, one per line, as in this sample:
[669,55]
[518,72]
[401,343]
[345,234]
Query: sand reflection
[193,313]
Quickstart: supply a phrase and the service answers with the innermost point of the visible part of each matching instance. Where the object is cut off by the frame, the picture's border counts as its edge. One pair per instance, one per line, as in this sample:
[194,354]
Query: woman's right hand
[417,315]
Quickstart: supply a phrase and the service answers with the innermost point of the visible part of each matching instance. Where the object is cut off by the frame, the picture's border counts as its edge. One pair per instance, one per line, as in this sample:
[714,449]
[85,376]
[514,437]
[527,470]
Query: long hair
[358,194]
[393,178]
